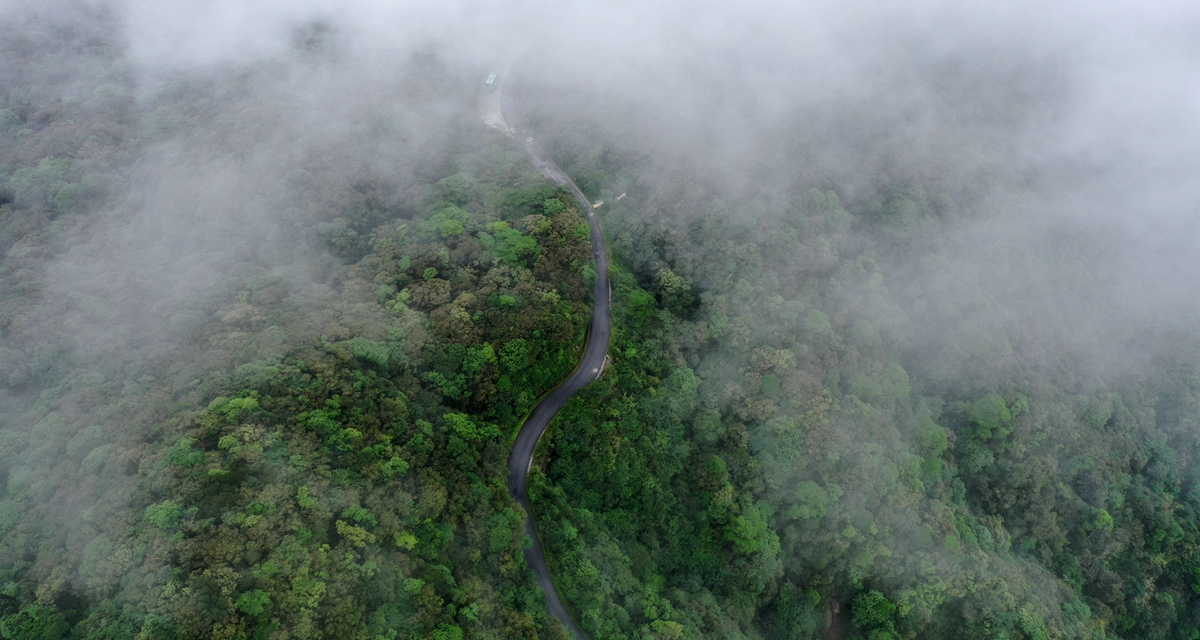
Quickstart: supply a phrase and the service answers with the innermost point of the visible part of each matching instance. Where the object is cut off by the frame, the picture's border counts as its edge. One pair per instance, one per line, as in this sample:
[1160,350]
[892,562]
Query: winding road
[589,368]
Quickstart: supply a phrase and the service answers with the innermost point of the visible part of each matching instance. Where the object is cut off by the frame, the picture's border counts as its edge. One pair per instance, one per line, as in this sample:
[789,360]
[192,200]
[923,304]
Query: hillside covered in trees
[307,437]
[267,331]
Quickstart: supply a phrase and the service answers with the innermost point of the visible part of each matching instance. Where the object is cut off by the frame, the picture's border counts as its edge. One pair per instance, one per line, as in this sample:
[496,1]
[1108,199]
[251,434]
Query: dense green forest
[776,446]
[267,331]
[313,442]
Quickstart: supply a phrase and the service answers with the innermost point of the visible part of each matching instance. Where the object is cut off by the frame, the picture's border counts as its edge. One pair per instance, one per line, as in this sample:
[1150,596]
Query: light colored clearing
[492,115]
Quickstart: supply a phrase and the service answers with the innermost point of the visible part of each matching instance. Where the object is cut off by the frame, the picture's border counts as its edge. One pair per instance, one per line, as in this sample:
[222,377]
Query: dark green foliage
[265,466]
[816,466]
[34,622]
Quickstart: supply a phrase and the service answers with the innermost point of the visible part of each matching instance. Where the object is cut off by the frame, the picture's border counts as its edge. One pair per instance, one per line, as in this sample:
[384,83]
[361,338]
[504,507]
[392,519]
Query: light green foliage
[448,222]
[346,439]
[749,532]
[163,515]
[360,516]
[230,411]
[85,441]
[304,499]
[339,235]
[354,535]
[1102,521]
[462,425]
[641,306]
[872,610]
[510,245]
[395,466]
[716,468]
[458,189]
[412,586]
[477,357]
[104,562]
[32,185]
[448,632]
[452,388]
[449,228]
[68,197]
[953,544]
[895,385]
[406,541]
[932,442]
[514,355]
[670,282]
[817,325]
[706,426]
[502,301]
[321,421]
[865,389]
[589,275]
[553,206]
[667,630]
[991,417]
[255,602]
[184,455]
[829,207]
[770,386]
[465,427]
[501,528]
[811,501]
[931,437]
[368,350]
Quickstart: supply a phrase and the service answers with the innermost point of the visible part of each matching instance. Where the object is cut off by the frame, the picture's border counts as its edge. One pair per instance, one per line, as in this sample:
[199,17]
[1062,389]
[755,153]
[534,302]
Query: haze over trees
[903,331]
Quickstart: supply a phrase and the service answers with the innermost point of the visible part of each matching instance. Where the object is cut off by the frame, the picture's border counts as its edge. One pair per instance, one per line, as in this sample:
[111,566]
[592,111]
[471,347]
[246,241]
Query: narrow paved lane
[589,368]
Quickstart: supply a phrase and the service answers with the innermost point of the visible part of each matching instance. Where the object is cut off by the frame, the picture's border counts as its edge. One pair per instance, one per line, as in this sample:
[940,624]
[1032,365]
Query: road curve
[589,368]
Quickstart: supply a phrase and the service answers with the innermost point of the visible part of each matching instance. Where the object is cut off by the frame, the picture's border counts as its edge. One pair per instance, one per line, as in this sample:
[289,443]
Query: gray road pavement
[590,367]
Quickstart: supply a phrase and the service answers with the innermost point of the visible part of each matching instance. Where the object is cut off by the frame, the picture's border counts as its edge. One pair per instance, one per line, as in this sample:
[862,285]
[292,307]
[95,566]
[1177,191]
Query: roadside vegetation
[310,442]
[772,438]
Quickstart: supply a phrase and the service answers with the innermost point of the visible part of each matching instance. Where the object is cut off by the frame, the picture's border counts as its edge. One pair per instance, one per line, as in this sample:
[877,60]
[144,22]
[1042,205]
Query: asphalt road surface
[589,368]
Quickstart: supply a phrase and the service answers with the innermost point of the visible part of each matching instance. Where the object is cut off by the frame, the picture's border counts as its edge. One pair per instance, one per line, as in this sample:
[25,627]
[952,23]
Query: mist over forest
[904,338]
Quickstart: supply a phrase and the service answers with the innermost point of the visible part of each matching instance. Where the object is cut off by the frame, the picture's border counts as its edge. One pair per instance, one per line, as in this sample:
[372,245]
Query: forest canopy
[269,326]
